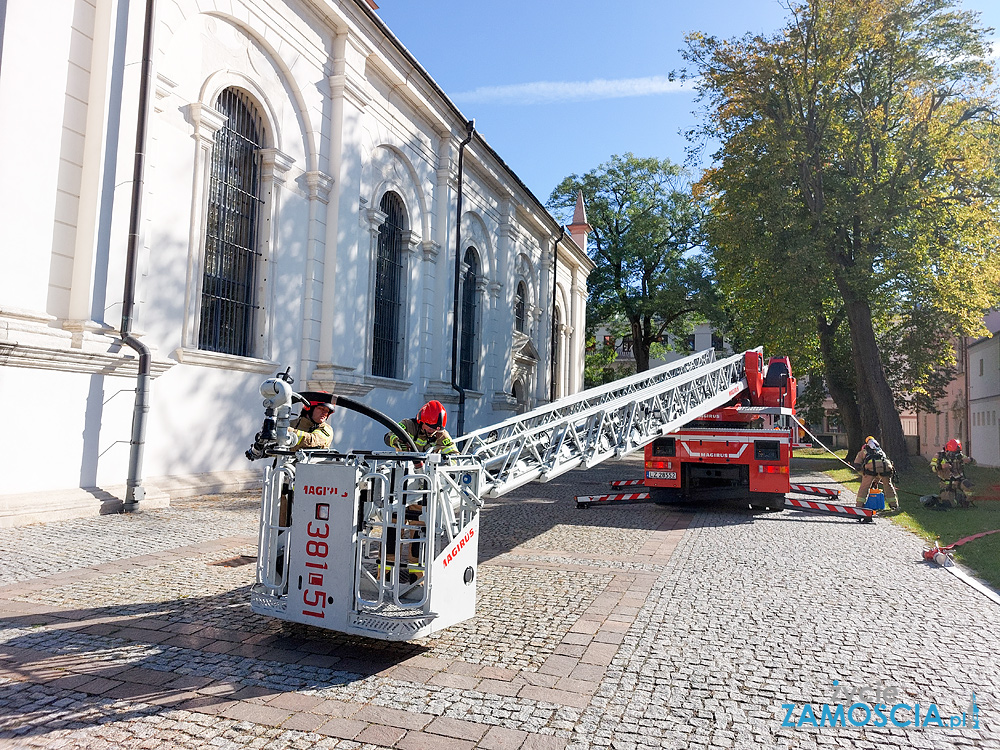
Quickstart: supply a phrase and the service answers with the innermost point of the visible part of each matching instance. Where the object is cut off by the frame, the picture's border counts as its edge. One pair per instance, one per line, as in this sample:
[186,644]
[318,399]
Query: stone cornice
[40,341]
[224,361]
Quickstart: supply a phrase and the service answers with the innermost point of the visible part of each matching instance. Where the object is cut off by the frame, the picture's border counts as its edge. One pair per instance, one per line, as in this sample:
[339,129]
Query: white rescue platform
[368,544]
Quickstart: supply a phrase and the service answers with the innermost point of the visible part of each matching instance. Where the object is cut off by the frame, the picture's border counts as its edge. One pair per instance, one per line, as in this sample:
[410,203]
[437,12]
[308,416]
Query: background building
[298,209]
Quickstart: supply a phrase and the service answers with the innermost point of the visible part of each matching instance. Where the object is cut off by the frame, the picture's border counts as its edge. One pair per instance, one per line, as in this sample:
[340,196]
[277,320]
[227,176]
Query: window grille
[467,360]
[388,288]
[229,293]
[519,307]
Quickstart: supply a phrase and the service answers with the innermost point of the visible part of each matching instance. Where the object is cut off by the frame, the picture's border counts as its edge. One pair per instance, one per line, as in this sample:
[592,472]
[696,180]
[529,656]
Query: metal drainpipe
[552,348]
[471,126]
[134,492]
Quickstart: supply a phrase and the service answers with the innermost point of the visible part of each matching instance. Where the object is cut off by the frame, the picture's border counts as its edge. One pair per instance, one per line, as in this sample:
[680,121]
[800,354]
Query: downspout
[552,347]
[134,492]
[471,126]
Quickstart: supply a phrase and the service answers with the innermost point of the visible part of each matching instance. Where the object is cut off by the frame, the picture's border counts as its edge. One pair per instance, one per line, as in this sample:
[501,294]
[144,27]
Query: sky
[557,87]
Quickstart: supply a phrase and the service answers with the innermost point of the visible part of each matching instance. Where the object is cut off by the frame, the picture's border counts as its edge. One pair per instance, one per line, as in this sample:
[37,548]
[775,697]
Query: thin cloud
[550,92]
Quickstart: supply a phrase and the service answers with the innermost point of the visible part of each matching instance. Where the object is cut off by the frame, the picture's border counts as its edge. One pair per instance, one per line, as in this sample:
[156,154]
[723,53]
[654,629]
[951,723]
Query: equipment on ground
[376,544]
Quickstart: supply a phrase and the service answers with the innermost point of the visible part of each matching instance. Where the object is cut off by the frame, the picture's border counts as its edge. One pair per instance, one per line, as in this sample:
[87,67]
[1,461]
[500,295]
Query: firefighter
[310,429]
[874,466]
[427,431]
[949,465]
[429,435]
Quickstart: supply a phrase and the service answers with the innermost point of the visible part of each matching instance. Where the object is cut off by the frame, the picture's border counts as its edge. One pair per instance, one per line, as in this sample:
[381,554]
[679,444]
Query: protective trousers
[866,484]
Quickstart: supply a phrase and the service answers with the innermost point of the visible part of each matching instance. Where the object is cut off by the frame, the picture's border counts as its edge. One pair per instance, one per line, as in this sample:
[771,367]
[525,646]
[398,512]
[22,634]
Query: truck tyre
[767,501]
[777,502]
[664,495]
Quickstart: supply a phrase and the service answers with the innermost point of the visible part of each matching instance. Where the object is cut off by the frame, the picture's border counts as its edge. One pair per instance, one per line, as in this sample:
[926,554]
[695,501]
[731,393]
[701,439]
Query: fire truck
[385,544]
[740,450]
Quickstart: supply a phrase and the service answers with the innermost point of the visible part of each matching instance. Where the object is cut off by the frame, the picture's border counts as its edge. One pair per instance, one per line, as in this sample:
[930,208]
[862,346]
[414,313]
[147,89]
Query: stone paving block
[336,708]
[599,653]
[411,674]
[256,713]
[422,741]
[500,687]
[304,722]
[376,734]
[464,668]
[339,727]
[497,673]
[560,666]
[392,717]
[98,686]
[545,742]
[554,695]
[447,679]
[295,701]
[500,738]
[456,728]
[145,676]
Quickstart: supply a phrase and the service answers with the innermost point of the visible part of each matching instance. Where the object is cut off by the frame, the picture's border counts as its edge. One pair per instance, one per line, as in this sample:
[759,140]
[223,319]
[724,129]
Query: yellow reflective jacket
[441,443]
[308,434]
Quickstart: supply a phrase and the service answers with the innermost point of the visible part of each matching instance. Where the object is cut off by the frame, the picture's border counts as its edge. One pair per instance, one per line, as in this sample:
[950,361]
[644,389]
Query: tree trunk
[878,411]
[841,390]
[640,346]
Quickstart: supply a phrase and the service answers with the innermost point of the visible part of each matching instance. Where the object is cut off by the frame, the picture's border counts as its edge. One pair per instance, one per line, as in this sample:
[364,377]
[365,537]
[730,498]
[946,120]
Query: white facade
[345,117]
[984,401]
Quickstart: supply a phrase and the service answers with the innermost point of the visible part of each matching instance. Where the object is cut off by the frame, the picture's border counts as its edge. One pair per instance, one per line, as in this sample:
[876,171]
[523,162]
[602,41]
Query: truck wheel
[767,501]
[664,495]
[777,502]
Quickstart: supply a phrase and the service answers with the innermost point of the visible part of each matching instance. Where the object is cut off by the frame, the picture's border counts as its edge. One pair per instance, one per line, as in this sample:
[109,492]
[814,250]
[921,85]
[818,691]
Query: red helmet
[316,398]
[953,446]
[433,415]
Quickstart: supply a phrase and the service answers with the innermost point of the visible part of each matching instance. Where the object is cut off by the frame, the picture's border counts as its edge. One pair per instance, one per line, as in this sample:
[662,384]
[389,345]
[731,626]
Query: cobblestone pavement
[626,627]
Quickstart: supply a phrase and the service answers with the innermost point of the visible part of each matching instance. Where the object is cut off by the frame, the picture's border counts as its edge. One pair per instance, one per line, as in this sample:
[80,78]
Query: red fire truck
[741,450]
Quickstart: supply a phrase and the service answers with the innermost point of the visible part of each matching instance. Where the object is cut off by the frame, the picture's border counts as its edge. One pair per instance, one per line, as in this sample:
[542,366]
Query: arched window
[232,253]
[388,288]
[468,359]
[519,307]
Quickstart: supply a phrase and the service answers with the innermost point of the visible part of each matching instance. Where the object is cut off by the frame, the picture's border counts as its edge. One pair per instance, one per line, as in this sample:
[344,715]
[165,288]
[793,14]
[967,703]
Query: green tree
[648,245]
[857,177]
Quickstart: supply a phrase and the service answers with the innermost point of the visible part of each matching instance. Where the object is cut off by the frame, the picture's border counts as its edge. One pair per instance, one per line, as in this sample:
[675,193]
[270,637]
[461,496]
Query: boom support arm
[612,420]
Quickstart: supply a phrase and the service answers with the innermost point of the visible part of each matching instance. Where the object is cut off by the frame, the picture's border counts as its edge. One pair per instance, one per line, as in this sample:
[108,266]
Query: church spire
[579,229]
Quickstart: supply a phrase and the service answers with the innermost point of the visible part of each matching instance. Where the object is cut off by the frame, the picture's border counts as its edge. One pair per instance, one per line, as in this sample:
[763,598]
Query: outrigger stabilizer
[864,515]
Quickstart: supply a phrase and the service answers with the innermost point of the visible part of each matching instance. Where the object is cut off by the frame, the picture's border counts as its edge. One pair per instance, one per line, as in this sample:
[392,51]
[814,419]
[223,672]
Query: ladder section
[611,420]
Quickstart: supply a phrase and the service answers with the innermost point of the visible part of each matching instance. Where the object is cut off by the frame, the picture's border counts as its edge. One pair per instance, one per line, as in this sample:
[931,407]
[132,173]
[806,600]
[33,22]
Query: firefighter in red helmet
[311,429]
[949,465]
[427,430]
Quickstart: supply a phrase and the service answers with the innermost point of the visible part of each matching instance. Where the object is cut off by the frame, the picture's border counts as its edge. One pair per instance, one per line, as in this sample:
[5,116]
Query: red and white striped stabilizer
[627,482]
[584,501]
[808,489]
[846,510]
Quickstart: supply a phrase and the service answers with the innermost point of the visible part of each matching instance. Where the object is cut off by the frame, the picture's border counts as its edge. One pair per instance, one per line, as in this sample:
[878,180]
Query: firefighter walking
[875,466]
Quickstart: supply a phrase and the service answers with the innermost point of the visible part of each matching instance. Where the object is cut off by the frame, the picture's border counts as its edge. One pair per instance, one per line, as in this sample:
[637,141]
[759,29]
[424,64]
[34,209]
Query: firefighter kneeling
[949,465]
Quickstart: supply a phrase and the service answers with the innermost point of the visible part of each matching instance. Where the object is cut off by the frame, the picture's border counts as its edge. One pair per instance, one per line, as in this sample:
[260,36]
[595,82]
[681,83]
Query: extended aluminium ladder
[385,544]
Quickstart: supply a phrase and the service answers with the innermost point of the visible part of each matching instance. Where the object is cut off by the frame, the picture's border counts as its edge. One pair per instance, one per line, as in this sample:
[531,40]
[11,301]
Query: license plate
[661,475]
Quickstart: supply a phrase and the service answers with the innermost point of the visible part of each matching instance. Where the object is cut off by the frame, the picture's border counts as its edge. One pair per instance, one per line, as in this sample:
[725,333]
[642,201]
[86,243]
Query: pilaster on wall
[350,96]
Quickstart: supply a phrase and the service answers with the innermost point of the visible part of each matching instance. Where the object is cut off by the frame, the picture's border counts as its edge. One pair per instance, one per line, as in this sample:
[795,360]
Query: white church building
[293,205]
